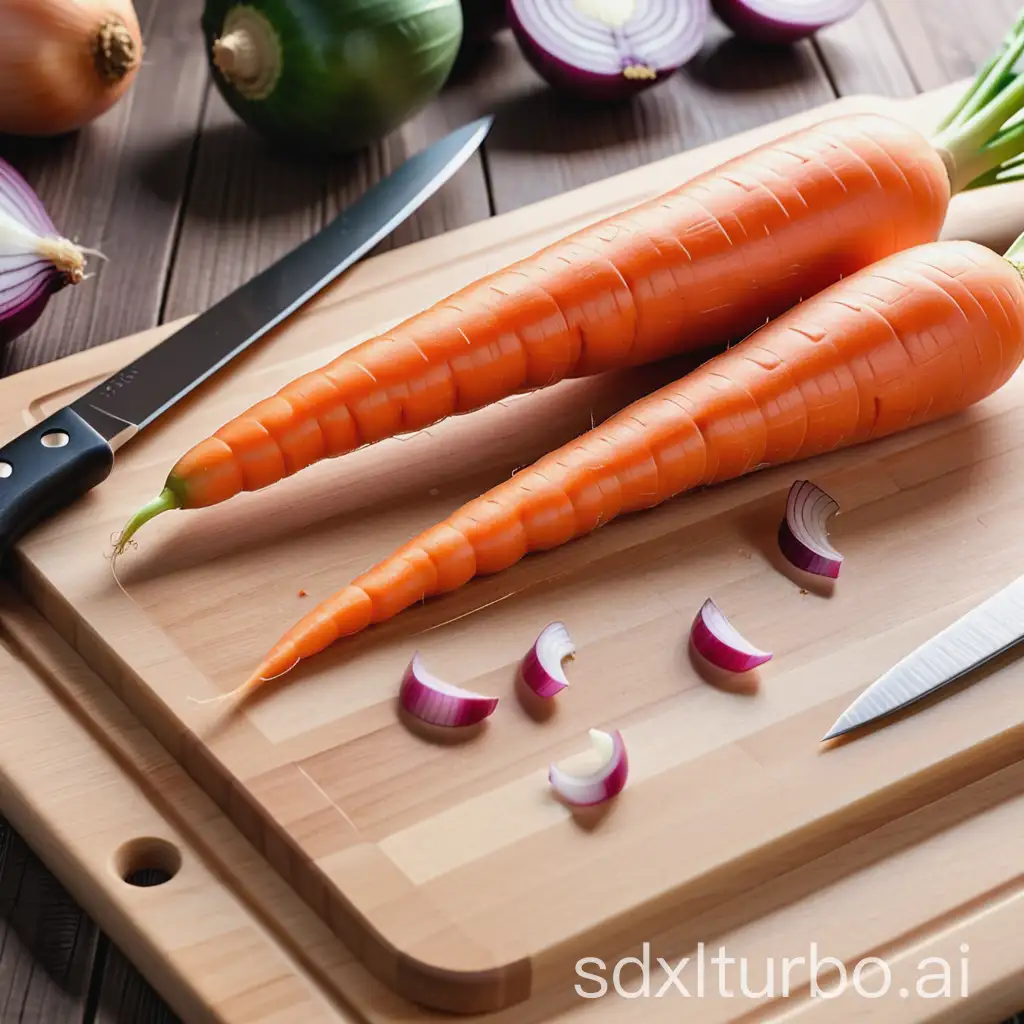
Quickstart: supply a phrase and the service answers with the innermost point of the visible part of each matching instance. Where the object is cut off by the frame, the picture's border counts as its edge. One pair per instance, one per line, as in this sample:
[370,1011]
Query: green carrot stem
[166,501]
[968,147]
[1015,254]
[981,82]
[992,78]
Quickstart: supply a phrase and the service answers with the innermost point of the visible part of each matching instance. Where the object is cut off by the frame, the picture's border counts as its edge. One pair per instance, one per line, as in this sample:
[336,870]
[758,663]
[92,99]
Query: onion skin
[759,28]
[64,63]
[16,324]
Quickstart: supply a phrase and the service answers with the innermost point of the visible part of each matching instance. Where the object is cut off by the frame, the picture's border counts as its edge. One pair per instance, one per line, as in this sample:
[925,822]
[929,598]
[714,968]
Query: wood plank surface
[46,942]
[151,145]
[118,186]
[543,143]
[250,203]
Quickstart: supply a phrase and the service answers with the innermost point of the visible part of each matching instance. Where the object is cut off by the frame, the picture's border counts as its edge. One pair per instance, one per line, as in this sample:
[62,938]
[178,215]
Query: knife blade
[983,633]
[59,459]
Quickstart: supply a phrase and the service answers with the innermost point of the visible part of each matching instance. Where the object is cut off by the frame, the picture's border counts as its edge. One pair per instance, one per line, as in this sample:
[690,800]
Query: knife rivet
[6,470]
[54,439]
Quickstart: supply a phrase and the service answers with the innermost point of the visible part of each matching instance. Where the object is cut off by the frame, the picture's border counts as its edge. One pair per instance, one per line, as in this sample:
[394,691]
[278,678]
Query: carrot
[920,335]
[702,265]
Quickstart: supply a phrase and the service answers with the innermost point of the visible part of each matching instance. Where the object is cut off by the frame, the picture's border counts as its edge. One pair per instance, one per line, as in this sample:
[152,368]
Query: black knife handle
[47,468]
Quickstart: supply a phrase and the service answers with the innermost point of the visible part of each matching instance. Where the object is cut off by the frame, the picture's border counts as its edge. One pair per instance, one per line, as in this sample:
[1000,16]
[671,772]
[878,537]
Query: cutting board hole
[147,862]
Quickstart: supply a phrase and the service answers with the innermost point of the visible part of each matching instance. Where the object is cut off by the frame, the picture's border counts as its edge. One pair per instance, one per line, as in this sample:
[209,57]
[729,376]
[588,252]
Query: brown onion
[63,63]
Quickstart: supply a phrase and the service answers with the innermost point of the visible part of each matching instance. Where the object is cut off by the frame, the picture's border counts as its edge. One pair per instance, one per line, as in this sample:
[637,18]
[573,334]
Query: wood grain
[860,55]
[542,143]
[945,40]
[852,903]
[359,815]
[251,203]
[117,186]
[46,941]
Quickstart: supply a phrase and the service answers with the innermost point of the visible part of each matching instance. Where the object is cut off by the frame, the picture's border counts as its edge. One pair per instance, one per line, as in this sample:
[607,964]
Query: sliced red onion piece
[718,641]
[803,533]
[782,21]
[542,669]
[608,49]
[35,261]
[436,702]
[606,781]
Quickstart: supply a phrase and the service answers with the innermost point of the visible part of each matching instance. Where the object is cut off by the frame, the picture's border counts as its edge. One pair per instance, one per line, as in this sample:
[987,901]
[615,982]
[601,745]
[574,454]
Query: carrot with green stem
[700,266]
[920,335]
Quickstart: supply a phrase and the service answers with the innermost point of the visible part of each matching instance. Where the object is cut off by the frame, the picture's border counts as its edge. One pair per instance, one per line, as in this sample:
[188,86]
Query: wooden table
[187,203]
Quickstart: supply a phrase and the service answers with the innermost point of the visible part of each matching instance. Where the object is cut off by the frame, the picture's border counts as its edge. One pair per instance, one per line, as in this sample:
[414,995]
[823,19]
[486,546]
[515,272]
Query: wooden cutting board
[448,870]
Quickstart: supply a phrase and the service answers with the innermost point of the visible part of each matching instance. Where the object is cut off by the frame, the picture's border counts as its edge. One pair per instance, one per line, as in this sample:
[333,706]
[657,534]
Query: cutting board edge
[852,102]
[129,923]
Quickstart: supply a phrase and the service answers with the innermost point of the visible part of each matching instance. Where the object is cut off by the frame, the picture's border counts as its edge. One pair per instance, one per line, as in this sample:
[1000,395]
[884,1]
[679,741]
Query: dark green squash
[330,76]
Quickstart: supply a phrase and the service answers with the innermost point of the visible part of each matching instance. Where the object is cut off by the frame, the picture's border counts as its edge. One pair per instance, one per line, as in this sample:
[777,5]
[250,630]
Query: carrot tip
[253,682]
[164,502]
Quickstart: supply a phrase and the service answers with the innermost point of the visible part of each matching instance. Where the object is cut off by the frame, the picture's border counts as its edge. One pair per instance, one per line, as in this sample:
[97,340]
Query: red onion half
[604,782]
[782,21]
[719,642]
[803,533]
[542,667]
[35,261]
[436,702]
[608,49]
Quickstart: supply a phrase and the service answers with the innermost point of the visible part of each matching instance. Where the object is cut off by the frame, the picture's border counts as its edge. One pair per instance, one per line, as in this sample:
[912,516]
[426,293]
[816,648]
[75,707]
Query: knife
[60,459]
[985,632]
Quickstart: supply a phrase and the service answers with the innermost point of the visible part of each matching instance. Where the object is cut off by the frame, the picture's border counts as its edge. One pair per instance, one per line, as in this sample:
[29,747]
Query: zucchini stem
[248,53]
[236,56]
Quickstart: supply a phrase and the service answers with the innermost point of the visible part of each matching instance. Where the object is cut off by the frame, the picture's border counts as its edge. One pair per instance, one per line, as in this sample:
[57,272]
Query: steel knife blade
[60,459]
[983,633]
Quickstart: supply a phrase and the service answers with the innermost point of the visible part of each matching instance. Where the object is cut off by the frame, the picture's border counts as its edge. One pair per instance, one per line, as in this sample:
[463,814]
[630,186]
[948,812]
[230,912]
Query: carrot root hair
[252,683]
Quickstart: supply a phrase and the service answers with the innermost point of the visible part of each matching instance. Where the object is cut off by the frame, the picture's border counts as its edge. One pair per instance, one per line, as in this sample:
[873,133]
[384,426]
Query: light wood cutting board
[449,870]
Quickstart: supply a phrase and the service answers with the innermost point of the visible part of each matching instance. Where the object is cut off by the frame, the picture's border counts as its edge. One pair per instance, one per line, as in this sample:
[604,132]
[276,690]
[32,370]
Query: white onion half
[436,702]
[782,21]
[716,639]
[542,669]
[608,49]
[604,782]
[803,533]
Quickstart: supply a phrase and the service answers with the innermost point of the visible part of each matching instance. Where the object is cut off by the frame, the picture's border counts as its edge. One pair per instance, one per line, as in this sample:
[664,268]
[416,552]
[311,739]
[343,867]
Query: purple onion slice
[608,49]
[716,640]
[542,669]
[436,702]
[35,261]
[803,533]
[782,21]
[605,780]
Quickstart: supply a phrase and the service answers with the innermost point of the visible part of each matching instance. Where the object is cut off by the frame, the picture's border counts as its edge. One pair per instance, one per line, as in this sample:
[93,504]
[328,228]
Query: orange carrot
[918,336]
[702,265]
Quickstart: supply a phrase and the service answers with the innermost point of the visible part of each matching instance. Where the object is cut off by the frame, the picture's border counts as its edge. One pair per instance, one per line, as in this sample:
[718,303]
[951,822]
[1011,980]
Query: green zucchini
[330,76]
